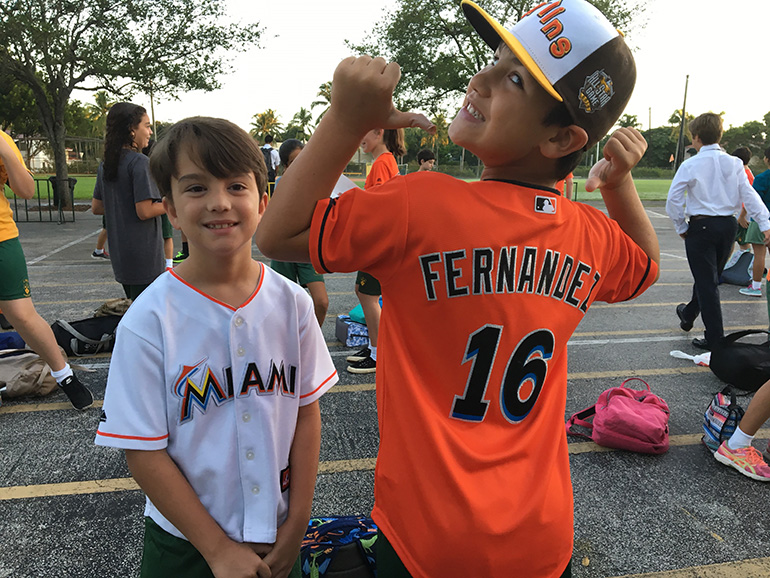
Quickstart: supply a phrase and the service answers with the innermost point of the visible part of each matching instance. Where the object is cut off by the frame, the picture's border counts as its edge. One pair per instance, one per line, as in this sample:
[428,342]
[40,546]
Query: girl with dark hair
[130,200]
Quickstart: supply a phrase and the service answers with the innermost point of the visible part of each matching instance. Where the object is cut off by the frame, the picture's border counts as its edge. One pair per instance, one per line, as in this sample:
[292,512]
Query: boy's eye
[194,189]
[516,78]
[238,187]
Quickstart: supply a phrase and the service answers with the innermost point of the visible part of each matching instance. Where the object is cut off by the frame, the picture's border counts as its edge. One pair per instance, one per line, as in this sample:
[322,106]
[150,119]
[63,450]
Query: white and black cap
[574,53]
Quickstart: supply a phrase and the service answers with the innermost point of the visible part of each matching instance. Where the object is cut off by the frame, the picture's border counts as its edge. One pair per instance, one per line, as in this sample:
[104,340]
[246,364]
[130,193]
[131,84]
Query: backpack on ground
[86,336]
[740,272]
[23,372]
[745,366]
[117,306]
[341,547]
[721,418]
[626,419]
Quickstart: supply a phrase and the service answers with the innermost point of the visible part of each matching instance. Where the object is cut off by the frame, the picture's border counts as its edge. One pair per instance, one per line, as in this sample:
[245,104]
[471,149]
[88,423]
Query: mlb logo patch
[545,205]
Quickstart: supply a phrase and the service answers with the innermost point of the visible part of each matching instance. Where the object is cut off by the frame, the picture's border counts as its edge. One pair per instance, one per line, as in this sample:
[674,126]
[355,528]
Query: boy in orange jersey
[485,283]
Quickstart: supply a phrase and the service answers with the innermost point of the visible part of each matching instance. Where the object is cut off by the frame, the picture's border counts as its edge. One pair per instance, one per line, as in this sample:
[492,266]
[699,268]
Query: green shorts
[302,273]
[165,555]
[166,227]
[368,284]
[14,279]
[753,235]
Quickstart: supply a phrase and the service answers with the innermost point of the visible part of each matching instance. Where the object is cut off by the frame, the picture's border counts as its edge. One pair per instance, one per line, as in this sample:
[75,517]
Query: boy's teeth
[225,226]
[475,113]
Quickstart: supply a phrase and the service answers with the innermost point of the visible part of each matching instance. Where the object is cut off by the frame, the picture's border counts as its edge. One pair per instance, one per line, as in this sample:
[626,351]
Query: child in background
[18,311]
[744,154]
[129,200]
[426,159]
[485,282]
[215,377]
[384,146]
[301,273]
[754,236]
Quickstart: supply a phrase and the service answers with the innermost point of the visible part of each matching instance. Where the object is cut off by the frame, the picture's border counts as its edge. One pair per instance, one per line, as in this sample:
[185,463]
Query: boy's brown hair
[215,144]
[707,127]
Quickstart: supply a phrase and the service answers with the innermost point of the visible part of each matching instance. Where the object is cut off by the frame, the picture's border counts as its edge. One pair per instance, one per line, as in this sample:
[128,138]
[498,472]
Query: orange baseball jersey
[383,169]
[749,175]
[485,282]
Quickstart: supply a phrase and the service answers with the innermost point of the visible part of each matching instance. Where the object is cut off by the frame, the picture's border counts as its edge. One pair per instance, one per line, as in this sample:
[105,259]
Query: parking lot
[71,509]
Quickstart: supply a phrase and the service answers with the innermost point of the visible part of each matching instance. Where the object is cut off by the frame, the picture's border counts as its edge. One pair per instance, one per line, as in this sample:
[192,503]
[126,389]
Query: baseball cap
[574,53]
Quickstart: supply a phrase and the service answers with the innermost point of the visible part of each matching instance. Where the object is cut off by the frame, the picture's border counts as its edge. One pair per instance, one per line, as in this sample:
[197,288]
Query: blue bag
[11,340]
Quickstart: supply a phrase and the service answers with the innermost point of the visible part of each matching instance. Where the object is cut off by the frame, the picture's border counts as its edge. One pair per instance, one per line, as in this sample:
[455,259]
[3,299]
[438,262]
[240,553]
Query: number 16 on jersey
[522,381]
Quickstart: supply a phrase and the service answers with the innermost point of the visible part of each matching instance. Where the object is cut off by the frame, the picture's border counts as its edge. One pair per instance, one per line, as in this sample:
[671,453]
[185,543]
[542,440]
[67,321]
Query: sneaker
[79,395]
[102,255]
[751,292]
[747,461]
[366,365]
[359,355]
[179,257]
[767,453]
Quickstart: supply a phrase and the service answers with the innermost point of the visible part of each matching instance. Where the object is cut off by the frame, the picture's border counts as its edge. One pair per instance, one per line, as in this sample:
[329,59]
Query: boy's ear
[170,211]
[567,140]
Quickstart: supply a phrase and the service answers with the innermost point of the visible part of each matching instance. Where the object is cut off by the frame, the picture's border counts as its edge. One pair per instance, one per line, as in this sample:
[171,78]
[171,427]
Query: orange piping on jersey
[223,304]
[324,382]
[111,435]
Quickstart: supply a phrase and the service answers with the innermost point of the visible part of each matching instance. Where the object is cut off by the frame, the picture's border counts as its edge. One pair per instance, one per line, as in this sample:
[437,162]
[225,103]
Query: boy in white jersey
[215,377]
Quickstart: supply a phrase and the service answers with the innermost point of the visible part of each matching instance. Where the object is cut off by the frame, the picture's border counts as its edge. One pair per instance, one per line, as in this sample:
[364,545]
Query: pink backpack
[626,419]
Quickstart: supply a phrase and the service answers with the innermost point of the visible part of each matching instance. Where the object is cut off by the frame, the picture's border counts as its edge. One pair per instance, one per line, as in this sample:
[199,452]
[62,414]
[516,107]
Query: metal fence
[46,205]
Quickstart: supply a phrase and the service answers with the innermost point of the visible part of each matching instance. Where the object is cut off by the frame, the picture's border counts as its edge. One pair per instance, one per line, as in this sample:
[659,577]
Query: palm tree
[97,113]
[302,122]
[441,137]
[325,92]
[265,123]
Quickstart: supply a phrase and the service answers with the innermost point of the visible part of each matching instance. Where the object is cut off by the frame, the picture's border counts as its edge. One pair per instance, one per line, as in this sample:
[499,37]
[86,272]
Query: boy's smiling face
[218,216]
[501,120]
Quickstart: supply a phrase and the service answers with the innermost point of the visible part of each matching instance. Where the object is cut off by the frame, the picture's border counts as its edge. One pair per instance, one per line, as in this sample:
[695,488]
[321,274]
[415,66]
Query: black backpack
[267,152]
[745,366]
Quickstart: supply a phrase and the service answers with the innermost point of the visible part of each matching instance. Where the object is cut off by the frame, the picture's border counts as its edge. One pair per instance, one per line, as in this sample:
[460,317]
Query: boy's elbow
[25,189]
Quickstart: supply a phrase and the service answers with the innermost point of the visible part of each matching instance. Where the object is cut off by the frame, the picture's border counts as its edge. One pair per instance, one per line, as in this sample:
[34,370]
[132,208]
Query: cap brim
[492,32]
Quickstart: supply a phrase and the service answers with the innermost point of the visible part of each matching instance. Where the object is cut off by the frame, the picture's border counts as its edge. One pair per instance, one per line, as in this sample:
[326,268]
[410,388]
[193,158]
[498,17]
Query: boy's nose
[219,200]
[480,82]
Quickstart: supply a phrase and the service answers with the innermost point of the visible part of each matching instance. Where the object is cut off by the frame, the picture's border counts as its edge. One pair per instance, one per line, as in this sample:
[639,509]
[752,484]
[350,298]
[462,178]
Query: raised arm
[21,182]
[612,175]
[362,99]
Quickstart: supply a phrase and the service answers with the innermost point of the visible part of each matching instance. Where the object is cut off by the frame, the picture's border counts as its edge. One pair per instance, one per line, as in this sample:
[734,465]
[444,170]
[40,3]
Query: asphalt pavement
[70,509]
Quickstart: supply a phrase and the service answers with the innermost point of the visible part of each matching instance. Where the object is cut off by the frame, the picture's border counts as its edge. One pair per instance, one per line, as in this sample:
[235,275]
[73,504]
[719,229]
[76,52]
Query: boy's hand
[362,93]
[238,561]
[625,148]
[286,549]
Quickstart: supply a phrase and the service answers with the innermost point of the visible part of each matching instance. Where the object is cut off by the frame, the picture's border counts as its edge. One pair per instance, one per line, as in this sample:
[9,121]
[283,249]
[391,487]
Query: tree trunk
[60,160]
[462,159]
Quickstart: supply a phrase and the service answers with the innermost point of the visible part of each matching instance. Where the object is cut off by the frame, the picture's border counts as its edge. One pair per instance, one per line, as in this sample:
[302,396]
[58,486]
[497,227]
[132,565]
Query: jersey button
[249,455]
[255,490]
[238,321]
[246,417]
[240,351]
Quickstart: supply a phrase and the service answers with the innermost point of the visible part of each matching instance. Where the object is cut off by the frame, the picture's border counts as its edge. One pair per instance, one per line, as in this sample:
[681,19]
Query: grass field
[649,189]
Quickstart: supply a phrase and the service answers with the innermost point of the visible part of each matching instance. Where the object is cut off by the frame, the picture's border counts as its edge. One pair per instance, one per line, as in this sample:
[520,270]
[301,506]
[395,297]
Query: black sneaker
[103,255]
[683,323]
[79,395]
[179,257]
[366,365]
[359,355]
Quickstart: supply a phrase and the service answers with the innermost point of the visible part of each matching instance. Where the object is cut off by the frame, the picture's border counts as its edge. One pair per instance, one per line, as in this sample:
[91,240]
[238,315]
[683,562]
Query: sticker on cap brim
[596,92]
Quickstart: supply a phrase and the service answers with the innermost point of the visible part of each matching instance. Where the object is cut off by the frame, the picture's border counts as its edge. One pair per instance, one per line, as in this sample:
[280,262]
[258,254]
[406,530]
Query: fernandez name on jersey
[512,270]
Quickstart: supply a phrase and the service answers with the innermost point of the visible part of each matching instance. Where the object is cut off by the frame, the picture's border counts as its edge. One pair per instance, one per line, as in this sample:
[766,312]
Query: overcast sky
[721,45]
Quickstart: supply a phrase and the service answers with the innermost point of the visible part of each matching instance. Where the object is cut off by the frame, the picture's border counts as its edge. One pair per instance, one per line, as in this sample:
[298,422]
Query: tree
[122,46]
[299,126]
[97,112]
[325,94]
[441,136]
[265,123]
[630,121]
[751,134]
[438,50]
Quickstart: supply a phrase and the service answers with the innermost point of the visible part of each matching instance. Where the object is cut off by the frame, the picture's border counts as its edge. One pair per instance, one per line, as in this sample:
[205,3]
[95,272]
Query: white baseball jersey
[219,388]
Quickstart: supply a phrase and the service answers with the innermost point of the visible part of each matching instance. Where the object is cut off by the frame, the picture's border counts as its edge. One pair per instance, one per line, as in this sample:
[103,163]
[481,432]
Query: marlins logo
[597,91]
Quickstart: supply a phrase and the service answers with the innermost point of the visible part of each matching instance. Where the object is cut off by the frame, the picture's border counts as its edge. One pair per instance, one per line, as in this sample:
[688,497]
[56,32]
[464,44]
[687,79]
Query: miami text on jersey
[197,385]
[537,271]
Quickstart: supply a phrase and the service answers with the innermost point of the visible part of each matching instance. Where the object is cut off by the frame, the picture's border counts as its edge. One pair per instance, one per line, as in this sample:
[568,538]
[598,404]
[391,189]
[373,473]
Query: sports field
[649,189]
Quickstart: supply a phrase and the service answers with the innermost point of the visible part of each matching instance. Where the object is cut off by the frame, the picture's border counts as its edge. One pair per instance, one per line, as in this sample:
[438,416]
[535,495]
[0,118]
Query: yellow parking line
[754,568]
[672,304]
